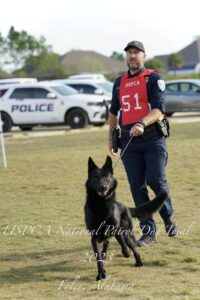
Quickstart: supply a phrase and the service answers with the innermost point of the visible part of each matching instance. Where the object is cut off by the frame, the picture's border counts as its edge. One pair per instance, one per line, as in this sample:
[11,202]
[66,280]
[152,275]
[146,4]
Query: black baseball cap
[135,44]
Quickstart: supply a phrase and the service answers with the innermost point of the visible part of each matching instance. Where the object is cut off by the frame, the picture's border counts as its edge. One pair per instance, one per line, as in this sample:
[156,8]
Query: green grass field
[45,250]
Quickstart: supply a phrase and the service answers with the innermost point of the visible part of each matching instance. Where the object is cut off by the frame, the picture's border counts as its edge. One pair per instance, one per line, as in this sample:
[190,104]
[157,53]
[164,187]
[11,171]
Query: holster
[116,140]
[163,127]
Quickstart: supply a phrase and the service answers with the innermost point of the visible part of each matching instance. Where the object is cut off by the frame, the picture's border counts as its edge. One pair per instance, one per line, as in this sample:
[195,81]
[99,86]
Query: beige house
[79,61]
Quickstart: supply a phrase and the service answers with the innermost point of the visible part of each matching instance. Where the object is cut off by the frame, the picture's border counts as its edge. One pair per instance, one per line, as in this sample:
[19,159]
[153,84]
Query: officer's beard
[134,66]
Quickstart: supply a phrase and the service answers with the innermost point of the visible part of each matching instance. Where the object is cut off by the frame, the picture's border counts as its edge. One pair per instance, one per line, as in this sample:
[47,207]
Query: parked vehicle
[28,105]
[17,80]
[88,76]
[182,95]
[92,86]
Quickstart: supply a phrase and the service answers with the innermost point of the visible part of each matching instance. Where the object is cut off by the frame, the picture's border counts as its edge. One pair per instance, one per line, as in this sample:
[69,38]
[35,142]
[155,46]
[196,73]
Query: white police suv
[90,87]
[28,105]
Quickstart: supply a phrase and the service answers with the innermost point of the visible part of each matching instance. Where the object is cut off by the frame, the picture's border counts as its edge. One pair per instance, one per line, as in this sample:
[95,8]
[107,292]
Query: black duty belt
[149,132]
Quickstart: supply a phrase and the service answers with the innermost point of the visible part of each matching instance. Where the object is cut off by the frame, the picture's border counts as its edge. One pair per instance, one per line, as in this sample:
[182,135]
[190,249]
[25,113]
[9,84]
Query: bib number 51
[127,104]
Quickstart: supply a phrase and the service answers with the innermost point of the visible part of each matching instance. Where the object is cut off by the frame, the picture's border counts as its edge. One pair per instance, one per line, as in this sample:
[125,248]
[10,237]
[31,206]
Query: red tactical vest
[133,97]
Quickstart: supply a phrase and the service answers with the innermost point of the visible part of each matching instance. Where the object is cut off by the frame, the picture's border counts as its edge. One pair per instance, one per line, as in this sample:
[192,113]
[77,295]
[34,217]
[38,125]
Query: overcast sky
[106,25]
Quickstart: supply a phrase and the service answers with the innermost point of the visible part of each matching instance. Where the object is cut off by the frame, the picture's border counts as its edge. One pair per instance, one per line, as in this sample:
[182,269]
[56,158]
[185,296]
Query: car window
[188,87]
[172,87]
[84,88]
[29,93]
[194,88]
[21,93]
[108,86]
[38,93]
[64,90]
[2,92]
[185,87]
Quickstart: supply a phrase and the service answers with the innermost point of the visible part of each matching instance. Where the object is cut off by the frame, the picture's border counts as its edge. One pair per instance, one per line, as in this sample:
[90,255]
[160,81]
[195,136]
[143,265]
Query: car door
[173,97]
[47,104]
[190,94]
[32,105]
[19,106]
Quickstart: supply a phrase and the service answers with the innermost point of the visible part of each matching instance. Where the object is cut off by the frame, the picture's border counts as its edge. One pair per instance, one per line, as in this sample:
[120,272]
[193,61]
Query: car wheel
[26,128]
[169,114]
[77,118]
[6,122]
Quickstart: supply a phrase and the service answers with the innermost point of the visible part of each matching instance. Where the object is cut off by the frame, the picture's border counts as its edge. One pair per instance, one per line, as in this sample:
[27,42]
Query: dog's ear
[91,165]
[108,164]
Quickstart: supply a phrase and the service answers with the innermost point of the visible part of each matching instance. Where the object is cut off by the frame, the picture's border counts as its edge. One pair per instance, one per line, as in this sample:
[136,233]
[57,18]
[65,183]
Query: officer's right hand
[137,130]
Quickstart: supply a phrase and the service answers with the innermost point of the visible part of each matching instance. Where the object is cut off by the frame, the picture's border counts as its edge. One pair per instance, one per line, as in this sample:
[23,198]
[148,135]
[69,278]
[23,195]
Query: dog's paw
[125,253]
[103,255]
[138,263]
[101,276]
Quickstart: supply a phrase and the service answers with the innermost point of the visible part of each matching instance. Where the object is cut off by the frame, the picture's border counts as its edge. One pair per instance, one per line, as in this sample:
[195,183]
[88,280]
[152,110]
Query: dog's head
[101,180]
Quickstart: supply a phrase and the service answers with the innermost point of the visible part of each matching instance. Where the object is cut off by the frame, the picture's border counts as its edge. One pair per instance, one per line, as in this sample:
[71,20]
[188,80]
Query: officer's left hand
[137,130]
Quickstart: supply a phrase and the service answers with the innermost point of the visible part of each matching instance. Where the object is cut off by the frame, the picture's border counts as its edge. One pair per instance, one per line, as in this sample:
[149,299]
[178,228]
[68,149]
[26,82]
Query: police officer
[139,95]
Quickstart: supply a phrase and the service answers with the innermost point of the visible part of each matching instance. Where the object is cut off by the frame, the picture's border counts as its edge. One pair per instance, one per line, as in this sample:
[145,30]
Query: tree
[43,66]
[1,52]
[18,46]
[3,74]
[196,37]
[155,64]
[118,56]
[175,61]
[27,56]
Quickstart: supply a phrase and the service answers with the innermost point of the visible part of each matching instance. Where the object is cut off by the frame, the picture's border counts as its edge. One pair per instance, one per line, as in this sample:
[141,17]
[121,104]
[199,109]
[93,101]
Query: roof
[79,61]
[190,53]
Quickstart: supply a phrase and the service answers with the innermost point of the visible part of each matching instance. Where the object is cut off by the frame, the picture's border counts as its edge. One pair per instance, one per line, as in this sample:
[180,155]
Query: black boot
[171,227]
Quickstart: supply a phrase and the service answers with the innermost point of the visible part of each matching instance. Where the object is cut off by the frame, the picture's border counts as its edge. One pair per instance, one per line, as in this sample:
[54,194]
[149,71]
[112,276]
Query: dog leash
[117,160]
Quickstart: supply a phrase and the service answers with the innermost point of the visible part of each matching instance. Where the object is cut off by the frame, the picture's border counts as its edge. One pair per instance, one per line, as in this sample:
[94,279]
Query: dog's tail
[147,209]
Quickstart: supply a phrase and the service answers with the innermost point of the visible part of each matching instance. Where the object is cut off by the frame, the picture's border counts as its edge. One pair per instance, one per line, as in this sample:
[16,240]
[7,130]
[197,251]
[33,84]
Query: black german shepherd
[103,212]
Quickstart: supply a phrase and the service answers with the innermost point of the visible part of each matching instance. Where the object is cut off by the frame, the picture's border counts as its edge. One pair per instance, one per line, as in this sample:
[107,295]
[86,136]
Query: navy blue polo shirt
[156,97]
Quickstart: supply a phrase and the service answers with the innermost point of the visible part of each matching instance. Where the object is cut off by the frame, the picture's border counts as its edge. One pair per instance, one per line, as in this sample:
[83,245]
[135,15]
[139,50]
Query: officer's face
[135,59]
